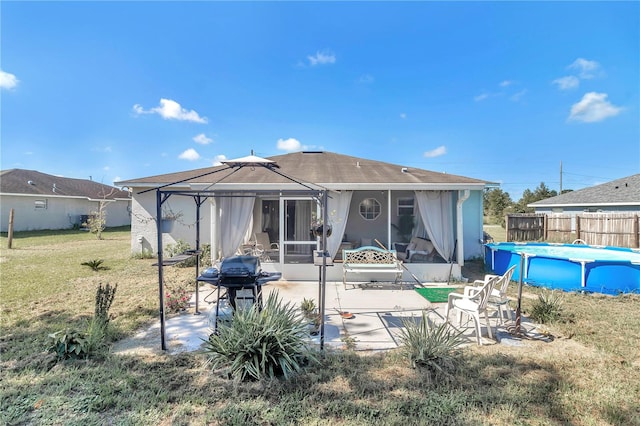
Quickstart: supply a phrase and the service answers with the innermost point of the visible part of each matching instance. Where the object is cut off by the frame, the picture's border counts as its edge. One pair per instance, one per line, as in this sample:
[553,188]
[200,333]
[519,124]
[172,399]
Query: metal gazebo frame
[164,192]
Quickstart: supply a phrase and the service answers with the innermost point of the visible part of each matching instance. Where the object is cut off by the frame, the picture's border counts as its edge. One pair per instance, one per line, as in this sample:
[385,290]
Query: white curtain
[338,206]
[302,225]
[236,220]
[436,212]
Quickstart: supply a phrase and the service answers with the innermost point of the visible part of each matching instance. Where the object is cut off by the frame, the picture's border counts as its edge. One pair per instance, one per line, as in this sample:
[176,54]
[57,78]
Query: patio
[378,314]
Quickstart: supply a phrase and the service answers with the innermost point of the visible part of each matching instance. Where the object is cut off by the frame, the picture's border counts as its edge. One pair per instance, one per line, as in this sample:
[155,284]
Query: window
[41,204]
[370,209]
[405,206]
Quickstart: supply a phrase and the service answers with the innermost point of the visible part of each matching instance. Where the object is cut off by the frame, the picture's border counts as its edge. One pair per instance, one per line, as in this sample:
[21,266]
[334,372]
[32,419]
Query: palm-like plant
[260,344]
[432,346]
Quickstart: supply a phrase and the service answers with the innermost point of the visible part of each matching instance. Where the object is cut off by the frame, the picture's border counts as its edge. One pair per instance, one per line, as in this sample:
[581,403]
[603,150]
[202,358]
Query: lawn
[587,375]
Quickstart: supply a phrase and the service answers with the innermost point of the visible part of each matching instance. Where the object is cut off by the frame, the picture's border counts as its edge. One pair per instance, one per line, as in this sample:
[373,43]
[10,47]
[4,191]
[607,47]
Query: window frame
[400,208]
[370,209]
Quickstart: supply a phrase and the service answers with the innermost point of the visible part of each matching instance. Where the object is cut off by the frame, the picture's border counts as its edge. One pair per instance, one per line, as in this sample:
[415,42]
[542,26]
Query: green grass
[588,375]
[497,232]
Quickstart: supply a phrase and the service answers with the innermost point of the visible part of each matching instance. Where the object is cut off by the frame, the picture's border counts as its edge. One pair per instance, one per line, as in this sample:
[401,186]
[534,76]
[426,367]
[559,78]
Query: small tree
[97,222]
[496,201]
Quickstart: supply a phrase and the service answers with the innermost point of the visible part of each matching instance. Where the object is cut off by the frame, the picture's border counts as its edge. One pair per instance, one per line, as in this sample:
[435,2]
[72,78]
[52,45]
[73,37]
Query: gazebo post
[198,204]
[323,268]
[159,202]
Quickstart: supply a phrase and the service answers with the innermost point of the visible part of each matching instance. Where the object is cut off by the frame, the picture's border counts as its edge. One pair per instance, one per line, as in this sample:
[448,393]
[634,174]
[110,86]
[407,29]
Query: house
[618,196]
[232,205]
[42,201]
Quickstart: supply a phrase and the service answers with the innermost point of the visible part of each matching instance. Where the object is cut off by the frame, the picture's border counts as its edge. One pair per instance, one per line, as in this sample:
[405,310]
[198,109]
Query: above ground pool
[569,267]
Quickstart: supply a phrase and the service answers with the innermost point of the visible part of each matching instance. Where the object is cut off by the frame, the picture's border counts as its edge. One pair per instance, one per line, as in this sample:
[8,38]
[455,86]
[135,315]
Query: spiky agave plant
[260,344]
[432,346]
[548,308]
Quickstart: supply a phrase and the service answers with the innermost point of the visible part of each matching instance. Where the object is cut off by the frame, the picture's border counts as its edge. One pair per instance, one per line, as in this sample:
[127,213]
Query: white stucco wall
[60,212]
[144,229]
[472,225]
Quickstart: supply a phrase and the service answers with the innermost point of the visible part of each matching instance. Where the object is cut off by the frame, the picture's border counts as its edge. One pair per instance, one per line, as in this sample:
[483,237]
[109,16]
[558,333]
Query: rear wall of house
[144,234]
[33,213]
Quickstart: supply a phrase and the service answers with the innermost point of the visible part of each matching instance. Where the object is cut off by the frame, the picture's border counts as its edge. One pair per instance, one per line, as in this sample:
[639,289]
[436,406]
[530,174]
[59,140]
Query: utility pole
[560,178]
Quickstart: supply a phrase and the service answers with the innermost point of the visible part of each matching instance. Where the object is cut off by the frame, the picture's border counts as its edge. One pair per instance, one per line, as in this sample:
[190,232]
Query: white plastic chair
[473,305]
[498,299]
[264,248]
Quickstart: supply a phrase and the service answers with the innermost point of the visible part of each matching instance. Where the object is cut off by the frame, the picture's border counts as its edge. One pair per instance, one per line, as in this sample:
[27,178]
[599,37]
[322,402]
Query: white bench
[371,261]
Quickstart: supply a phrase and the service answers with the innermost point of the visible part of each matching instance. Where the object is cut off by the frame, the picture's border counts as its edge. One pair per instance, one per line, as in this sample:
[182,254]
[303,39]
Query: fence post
[578,236]
[635,238]
[545,229]
[506,225]
[10,230]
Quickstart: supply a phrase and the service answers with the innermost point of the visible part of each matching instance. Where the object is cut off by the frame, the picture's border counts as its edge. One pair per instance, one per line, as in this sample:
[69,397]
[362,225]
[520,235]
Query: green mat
[437,294]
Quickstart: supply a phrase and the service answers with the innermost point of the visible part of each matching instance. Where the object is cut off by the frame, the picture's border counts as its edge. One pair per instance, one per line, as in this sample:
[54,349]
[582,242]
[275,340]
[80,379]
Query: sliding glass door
[298,242]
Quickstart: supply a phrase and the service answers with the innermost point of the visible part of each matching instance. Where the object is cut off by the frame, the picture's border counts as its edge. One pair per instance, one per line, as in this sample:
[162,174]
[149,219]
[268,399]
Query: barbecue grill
[242,277]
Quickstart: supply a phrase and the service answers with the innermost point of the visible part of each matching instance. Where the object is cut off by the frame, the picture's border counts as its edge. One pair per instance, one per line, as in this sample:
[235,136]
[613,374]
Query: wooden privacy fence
[607,229]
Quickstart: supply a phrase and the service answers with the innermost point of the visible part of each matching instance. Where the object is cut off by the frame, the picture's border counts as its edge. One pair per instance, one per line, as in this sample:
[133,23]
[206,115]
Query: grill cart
[242,278]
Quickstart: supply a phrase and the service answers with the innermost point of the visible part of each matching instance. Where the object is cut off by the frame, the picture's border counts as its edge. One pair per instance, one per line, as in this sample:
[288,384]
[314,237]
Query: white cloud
[218,159]
[289,145]
[506,83]
[481,97]
[190,154]
[202,139]
[171,110]
[117,179]
[8,80]
[517,96]
[567,82]
[366,79]
[322,58]
[441,150]
[106,168]
[593,107]
[403,115]
[586,69]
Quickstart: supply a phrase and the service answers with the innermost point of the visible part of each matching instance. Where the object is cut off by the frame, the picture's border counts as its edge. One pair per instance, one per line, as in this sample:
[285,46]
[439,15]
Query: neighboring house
[618,196]
[366,201]
[42,201]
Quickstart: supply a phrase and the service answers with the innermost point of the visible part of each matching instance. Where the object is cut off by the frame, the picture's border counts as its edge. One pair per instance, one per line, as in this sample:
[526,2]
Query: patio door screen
[298,242]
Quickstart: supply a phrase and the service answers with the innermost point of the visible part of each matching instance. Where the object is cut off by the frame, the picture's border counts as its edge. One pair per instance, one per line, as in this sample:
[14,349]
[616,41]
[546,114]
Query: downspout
[389,245]
[462,197]
[214,230]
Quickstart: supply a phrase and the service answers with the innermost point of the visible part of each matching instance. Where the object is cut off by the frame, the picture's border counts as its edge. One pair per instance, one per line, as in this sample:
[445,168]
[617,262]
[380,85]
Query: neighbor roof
[334,171]
[620,192]
[31,182]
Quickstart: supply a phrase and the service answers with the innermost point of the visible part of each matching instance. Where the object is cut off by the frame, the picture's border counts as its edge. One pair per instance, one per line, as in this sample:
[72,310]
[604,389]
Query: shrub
[72,343]
[308,308]
[548,308]
[177,299]
[259,344]
[95,264]
[435,347]
[104,299]
[182,246]
[68,343]
[144,254]
[178,288]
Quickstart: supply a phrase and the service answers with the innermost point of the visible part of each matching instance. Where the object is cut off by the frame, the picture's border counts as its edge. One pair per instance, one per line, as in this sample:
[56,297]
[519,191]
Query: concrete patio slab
[378,315]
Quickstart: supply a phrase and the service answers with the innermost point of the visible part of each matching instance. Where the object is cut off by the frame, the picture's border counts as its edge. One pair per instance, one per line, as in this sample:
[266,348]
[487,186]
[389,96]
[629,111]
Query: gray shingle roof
[315,167]
[624,191]
[31,182]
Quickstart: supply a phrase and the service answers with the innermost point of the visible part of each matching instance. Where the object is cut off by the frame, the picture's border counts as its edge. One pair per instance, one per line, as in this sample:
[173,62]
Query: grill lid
[240,266]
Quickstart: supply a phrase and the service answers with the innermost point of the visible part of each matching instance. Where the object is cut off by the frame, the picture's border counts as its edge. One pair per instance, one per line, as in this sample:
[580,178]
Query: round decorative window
[370,209]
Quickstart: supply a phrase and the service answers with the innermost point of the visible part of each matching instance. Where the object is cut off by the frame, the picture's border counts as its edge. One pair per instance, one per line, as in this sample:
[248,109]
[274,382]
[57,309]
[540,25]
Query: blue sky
[500,91]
